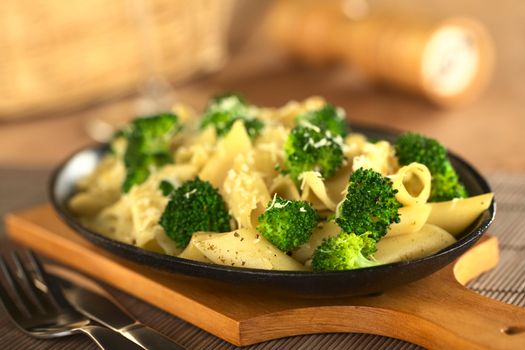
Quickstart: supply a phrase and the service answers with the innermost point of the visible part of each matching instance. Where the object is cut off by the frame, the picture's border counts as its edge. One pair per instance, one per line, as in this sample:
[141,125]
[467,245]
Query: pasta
[428,240]
[99,189]
[377,156]
[254,251]
[287,114]
[322,232]
[244,159]
[245,192]
[456,215]
[197,150]
[412,219]
[412,183]
[268,152]
[284,187]
[237,141]
[314,191]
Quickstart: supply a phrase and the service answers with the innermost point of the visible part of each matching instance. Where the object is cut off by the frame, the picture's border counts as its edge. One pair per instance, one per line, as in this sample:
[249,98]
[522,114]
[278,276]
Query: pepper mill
[446,60]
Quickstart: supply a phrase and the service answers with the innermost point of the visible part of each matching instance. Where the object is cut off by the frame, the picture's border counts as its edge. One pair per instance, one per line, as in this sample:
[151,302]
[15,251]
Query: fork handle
[107,339]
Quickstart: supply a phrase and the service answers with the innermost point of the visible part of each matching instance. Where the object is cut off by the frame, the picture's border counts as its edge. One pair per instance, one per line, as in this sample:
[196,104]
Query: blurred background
[70,71]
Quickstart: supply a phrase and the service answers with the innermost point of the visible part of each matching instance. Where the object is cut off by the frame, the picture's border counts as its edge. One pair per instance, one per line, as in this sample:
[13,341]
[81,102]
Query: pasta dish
[290,188]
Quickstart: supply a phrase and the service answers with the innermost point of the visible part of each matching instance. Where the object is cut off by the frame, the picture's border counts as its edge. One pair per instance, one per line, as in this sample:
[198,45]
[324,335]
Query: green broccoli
[224,110]
[370,205]
[194,206]
[327,118]
[124,132]
[412,147]
[346,251]
[149,141]
[310,148]
[166,187]
[446,186]
[219,98]
[287,223]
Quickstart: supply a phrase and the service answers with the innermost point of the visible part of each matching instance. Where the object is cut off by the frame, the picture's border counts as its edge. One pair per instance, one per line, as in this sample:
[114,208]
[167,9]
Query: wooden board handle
[448,318]
[437,312]
[468,320]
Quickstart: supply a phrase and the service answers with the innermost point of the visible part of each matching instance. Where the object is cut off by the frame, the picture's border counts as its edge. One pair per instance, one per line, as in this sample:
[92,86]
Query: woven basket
[62,55]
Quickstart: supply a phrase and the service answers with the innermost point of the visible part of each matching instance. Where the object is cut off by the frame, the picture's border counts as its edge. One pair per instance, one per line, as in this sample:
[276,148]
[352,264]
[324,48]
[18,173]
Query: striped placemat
[23,188]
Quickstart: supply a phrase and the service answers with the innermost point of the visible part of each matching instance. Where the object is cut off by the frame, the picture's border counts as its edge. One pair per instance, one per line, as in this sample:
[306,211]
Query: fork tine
[9,304]
[41,296]
[19,292]
[53,289]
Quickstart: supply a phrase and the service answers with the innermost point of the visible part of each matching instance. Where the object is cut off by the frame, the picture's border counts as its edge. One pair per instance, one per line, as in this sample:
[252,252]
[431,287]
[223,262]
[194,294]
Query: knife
[105,310]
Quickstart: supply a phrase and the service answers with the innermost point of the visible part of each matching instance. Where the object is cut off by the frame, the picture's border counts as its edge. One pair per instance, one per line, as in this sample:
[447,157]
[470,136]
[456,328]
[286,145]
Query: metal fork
[36,304]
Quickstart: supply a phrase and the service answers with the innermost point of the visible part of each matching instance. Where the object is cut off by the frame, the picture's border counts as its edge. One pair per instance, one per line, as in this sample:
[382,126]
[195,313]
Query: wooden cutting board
[436,312]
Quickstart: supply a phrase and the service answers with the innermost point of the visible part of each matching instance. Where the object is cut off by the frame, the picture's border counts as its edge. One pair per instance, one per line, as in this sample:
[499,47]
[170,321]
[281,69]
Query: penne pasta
[377,156]
[337,184]
[191,252]
[458,214]
[197,150]
[114,221]
[99,189]
[243,248]
[412,183]
[355,144]
[314,191]
[246,195]
[287,114]
[412,220]
[235,142]
[268,152]
[284,187]
[427,241]
[166,243]
[322,232]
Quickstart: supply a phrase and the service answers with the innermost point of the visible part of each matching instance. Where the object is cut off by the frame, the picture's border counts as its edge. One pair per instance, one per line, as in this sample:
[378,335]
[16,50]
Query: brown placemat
[23,188]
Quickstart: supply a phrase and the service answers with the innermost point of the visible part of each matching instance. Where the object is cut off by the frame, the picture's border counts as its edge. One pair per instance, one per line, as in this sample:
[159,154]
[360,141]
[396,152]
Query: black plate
[305,284]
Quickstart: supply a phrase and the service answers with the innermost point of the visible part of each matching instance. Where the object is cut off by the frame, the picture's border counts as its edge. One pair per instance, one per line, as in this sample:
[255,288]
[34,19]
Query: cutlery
[91,300]
[38,307]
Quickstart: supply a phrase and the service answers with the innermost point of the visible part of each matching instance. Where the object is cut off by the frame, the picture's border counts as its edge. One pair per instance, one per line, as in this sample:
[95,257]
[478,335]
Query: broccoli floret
[346,251]
[194,206]
[253,127]
[135,175]
[166,187]
[309,148]
[218,98]
[446,186]
[412,147]
[287,223]
[224,110]
[370,205]
[123,132]
[327,118]
[149,141]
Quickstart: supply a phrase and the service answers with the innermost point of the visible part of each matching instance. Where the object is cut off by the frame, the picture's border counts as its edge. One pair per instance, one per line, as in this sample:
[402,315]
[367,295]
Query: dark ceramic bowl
[305,284]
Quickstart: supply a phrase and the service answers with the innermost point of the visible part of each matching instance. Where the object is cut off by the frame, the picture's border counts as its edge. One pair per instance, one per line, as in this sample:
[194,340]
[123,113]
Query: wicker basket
[61,55]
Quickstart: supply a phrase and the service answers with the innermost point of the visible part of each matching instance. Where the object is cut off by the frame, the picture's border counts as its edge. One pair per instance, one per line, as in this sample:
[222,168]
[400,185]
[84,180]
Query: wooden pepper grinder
[448,61]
